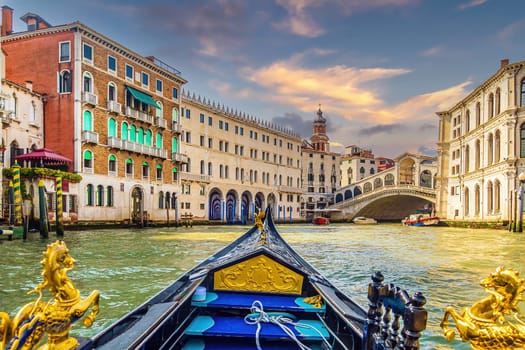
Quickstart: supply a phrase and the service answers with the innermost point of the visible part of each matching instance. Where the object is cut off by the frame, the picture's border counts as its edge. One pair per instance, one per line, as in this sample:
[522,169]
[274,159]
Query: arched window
[497,102]
[497,147]
[112,165]
[477,155]
[149,138]
[467,121]
[477,200]
[88,161]
[491,105]
[158,111]
[522,140]
[140,136]
[100,196]
[64,82]
[389,180]
[124,131]
[161,200]
[467,159]
[159,172]
[221,171]
[490,150]
[378,183]
[490,198]
[478,114]
[109,193]
[174,174]
[522,94]
[174,115]
[367,187]
[129,167]
[466,202]
[145,170]
[112,92]
[174,145]
[88,82]
[203,170]
[168,201]
[112,127]
[497,196]
[89,195]
[133,133]
[158,140]
[88,121]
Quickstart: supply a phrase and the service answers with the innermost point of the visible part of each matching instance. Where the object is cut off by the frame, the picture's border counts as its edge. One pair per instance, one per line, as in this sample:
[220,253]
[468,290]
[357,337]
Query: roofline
[101,39]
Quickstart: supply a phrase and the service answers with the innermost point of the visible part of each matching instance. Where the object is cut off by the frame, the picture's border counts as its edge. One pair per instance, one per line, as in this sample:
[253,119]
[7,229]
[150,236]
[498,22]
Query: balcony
[145,117]
[132,113]
[114,142]
[179,158]
[290,189]
[90,98]
[6,119]
[194,177]
[176,128]
[89,137]
[114,107]
[160,122]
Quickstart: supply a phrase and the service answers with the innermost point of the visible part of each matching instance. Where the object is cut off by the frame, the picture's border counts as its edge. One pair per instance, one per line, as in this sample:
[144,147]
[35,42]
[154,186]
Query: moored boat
[361,220]
[321,220]
[258,293]
[421,219]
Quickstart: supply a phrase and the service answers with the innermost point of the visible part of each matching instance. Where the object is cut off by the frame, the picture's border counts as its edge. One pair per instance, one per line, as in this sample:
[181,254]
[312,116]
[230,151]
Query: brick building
[109,109]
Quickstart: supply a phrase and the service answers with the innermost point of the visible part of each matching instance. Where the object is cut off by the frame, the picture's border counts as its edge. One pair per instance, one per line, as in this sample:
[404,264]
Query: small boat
[320,220]
[258,293]
[421,219]
[361,220]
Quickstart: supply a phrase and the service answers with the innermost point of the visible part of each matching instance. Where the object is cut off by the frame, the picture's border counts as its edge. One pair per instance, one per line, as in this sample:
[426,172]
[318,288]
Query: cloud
[427,151]
[428,127]
[432,51]
[380,129]
[511,30]
[299,21]
[296,123]
[472,3]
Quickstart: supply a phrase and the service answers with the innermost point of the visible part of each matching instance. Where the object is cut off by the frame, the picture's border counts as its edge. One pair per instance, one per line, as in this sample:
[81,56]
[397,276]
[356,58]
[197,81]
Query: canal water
[129,265]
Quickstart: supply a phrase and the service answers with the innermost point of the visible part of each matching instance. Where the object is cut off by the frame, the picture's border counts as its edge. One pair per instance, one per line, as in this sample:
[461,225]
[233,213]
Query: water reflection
[128,266]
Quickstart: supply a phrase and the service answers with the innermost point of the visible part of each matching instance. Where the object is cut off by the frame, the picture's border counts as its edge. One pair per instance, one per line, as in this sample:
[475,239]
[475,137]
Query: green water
[129,266]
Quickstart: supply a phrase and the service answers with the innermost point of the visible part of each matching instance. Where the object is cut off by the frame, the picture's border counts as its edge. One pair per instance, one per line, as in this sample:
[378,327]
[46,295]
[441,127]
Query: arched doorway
[246,200]
[406,171]
[215,207]
[425,179]
[231,206]
[137,205]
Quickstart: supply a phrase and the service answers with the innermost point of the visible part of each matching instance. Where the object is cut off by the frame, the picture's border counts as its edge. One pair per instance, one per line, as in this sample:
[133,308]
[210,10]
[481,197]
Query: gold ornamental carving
[27,329]
[258,274]
[492,323]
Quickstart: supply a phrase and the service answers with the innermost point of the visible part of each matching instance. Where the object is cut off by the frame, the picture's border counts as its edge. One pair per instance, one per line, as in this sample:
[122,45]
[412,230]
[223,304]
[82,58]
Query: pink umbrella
[43,156]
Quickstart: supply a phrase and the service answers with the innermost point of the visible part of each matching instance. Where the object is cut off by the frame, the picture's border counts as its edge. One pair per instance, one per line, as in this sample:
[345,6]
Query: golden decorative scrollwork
[27,329]
[259,217]
[258,274]
[487,323]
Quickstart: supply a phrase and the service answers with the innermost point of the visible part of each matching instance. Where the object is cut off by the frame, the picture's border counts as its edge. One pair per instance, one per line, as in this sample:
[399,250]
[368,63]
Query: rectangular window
[201,142]
[210,121]
[188,115]
[112,64]
[210,143]
[65,51]
[226,126]
[145,79]
[159,85]
[129,72]
[87,53]
[241,131]
[220,124]
[236,129]
[175,93]
[201,118]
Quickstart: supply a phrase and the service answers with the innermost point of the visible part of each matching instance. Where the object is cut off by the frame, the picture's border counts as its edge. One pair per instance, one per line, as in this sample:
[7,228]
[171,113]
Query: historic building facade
[356,164]
[481,149]
[113,112]
[236,164]
[321,175]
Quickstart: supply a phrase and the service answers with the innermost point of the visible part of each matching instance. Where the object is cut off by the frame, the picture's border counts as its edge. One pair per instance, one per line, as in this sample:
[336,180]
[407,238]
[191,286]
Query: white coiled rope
[282,320]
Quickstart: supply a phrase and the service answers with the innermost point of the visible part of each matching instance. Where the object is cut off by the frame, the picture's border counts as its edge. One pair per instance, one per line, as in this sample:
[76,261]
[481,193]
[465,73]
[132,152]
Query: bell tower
[319,138]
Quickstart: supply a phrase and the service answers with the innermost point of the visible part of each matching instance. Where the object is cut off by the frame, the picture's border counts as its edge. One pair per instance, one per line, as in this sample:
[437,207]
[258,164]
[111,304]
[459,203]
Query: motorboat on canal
[421,218]
[361,220]
[321,220]
[258,293]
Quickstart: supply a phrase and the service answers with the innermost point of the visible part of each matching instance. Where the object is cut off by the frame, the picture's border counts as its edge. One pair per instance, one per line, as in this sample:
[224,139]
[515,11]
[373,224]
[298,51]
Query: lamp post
[521,177]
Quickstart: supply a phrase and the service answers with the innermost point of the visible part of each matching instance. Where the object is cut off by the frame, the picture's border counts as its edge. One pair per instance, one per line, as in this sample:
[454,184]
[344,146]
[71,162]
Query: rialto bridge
[391,194]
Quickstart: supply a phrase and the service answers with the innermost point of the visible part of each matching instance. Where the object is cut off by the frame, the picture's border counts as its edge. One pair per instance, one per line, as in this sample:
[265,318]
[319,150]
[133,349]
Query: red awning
[43,156]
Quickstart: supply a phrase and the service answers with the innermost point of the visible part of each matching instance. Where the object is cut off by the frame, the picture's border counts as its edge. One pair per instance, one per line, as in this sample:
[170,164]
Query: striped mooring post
[58,211]
[44,230]
[17,194]
[11,204]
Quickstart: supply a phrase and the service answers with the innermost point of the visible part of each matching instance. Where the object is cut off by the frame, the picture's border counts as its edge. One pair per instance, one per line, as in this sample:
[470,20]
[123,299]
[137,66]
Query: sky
[378,69]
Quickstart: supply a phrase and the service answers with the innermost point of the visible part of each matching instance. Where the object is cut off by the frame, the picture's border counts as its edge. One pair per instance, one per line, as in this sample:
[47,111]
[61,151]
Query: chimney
[7,20]
[29,85]
[504,63]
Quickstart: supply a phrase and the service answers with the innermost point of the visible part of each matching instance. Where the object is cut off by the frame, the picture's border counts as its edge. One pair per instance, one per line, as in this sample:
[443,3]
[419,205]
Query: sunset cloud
[472,3]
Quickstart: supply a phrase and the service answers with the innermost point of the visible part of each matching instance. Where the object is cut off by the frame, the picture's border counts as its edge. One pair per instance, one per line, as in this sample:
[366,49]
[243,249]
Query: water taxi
[321,220]
[421,219]
[361,220]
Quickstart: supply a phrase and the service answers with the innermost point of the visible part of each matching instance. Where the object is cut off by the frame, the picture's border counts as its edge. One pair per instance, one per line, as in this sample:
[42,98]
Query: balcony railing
[132,113]
[131,146]
[90,136]
[194,177]
[114,142]
[160,122]
[114,107]
[176,128]
[5,117]
[90,98]
[178,157]
[145,117]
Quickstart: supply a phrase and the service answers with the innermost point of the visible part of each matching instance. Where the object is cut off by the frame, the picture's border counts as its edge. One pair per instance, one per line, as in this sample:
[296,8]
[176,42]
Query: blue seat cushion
[228,300]
[224,326]
[241,344]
